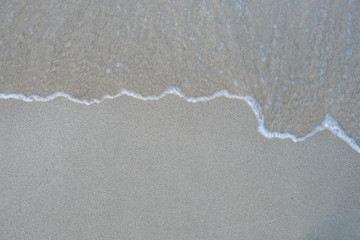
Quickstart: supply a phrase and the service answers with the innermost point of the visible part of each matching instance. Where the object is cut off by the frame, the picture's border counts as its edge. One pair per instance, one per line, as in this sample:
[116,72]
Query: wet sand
[168,169]
[298,59]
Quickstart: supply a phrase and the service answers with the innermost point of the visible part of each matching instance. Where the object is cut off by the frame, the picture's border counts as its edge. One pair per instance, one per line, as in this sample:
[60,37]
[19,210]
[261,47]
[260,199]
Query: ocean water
[297,63]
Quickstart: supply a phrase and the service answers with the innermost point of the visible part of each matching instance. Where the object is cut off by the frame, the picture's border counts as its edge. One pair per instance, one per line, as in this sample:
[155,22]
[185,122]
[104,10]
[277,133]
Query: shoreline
[298,75]
[328,123]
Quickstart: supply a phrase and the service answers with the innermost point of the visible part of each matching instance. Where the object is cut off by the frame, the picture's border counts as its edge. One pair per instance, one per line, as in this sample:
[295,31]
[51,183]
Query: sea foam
[328,123]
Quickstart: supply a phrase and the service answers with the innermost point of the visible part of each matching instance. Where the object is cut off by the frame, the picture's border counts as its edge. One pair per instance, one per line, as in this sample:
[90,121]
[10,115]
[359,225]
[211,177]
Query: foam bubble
[328,123]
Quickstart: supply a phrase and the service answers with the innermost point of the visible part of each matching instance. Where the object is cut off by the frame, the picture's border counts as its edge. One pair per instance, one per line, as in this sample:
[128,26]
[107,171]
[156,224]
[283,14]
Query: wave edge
[329,123]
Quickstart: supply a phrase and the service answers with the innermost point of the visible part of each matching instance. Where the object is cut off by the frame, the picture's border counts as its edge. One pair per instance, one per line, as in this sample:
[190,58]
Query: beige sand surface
[168,169]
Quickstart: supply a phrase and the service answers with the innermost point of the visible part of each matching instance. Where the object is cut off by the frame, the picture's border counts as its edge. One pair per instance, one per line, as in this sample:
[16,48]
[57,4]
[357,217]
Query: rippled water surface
[300,60]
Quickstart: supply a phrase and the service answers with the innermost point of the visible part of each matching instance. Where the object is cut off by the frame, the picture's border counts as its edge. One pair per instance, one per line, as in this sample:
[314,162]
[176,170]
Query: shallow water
[299,60]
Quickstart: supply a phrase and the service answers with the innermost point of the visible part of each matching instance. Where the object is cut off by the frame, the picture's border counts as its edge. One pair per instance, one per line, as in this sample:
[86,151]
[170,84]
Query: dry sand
[168,169]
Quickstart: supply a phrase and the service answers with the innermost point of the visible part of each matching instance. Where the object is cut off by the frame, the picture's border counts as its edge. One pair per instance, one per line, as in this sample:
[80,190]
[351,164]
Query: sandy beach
[168,169]
[298,59]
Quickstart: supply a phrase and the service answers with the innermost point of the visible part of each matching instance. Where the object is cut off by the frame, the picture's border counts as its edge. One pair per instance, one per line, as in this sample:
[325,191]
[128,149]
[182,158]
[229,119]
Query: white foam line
[328,123]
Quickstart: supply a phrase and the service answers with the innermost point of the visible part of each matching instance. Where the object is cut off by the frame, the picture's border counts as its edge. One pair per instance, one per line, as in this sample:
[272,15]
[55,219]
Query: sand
[168,169]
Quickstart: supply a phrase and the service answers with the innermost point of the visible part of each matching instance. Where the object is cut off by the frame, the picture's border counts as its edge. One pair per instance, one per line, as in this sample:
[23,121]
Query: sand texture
[168,169]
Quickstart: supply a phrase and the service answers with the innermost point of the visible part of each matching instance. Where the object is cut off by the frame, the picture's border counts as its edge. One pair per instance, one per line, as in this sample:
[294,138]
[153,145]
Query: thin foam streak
[328,123]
